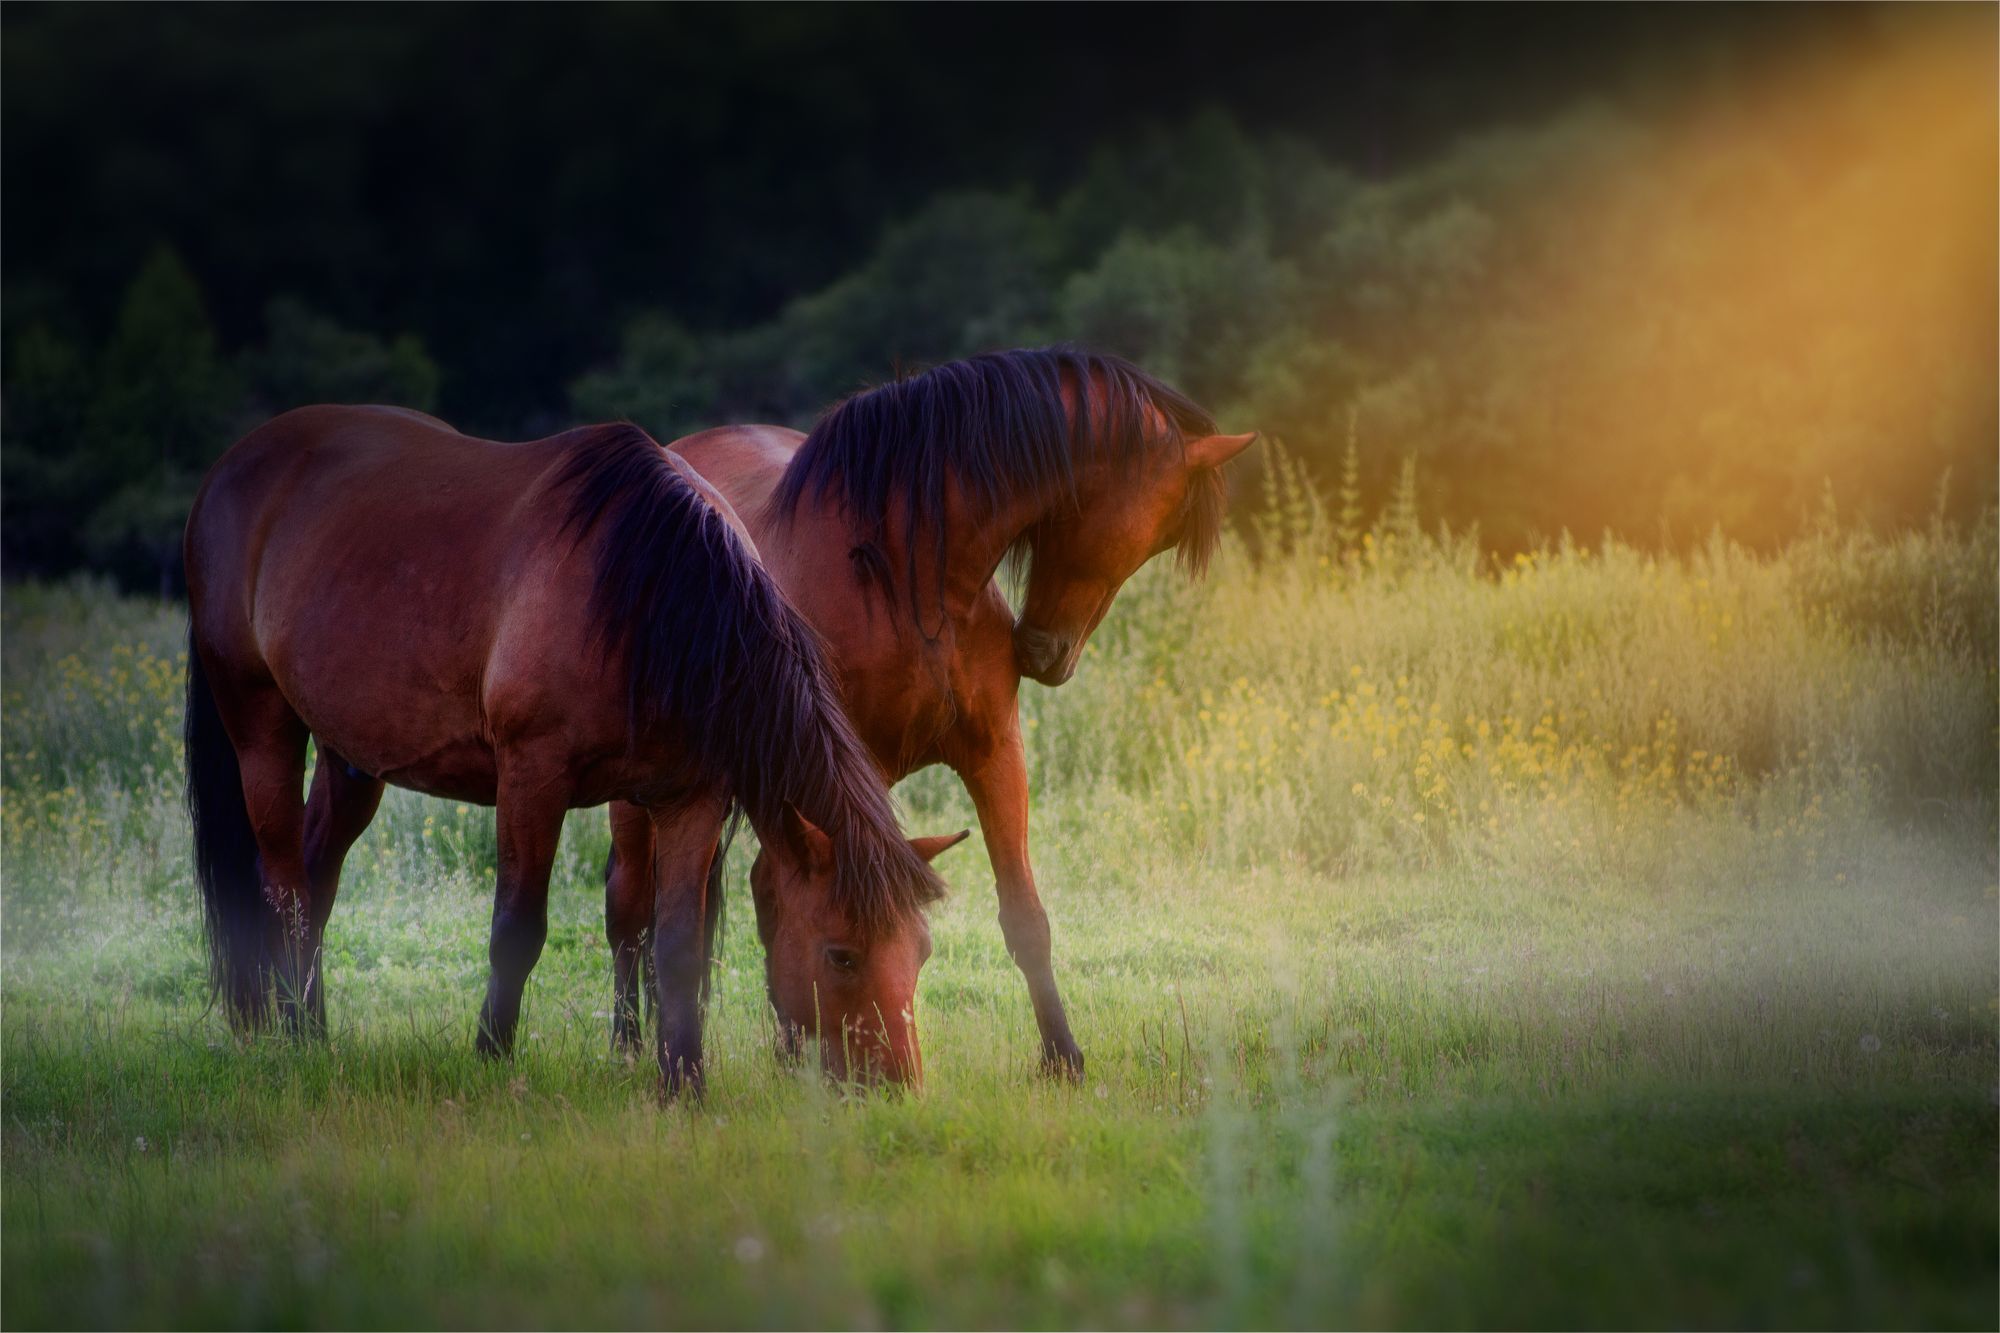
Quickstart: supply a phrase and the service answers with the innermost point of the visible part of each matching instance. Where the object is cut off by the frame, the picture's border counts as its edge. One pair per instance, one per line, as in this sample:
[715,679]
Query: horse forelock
[712,648]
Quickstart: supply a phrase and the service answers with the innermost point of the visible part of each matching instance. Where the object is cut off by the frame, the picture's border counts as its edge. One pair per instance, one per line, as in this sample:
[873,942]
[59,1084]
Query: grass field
[1601,939]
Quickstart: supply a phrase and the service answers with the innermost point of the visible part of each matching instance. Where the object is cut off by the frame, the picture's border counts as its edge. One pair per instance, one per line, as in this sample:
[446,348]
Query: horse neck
[975,543]
[813,542]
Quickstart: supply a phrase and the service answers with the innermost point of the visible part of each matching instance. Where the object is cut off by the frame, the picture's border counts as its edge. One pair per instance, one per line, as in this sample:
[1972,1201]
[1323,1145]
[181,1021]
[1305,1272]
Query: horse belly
[388,717]
[459,772]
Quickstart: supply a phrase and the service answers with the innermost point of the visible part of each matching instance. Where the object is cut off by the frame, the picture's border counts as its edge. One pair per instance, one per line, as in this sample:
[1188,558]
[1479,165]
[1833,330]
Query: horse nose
[906,1069]
[880,1058]
[898,1059]
[1042,657]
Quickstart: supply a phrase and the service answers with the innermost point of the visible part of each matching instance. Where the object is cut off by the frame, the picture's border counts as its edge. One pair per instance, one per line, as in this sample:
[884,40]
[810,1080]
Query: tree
[158,416]
[968,273]
[308,358]
[43,468]
[659,381]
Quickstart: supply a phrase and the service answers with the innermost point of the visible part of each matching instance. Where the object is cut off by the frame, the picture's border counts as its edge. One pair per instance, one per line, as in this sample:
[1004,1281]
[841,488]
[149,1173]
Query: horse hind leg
[339,809]
[271,755]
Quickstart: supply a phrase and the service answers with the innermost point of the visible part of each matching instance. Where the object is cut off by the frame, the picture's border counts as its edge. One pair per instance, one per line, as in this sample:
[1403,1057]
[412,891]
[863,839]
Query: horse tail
[237,918]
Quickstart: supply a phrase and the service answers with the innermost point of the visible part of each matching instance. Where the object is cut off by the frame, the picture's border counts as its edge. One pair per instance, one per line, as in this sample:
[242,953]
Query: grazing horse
[886,526]
[536,627]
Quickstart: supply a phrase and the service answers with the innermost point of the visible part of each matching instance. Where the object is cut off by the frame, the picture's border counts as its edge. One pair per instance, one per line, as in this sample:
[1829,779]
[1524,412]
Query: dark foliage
[1634,267]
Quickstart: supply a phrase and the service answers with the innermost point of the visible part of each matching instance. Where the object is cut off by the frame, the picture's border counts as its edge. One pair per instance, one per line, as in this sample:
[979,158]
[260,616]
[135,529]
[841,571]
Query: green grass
[1635,1026]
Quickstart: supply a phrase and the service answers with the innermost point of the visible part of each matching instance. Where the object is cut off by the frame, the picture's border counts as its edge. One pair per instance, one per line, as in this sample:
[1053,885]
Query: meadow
[1592,938]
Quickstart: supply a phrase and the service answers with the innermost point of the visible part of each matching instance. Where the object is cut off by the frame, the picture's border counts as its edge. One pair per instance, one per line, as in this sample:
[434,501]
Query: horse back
[744,464]
[400,583]
[381,498]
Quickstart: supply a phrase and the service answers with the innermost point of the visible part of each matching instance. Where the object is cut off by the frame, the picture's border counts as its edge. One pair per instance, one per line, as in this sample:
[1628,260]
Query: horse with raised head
[536,627]
[887,525]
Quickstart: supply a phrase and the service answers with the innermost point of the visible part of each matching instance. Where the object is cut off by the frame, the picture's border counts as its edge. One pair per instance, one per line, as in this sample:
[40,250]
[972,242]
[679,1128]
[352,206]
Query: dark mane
[713,650]
[997,423]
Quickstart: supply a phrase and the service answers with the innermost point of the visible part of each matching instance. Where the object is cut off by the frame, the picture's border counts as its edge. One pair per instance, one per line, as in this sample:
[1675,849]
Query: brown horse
[886,526]
[536,627]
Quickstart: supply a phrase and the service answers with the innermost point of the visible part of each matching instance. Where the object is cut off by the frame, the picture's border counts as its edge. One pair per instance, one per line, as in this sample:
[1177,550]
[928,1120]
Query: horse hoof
[628,1045]
[1063,1062]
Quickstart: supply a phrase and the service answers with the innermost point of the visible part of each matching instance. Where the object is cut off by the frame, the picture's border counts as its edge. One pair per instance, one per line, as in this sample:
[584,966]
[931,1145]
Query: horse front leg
[684,840]
[528,821]
[998,783]
[628,923]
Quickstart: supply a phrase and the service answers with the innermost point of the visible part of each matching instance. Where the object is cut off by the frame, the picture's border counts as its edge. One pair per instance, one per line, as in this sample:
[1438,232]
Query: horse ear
[808,842]
[939,843]
[1215,450]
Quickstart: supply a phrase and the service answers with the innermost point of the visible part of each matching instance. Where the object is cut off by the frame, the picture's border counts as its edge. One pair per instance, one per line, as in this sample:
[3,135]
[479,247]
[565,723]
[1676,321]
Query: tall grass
[1399,700]
[1595,937]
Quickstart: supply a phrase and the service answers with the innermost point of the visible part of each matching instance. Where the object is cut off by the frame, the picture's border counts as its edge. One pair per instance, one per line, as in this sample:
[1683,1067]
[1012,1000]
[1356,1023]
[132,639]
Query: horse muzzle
[1045,658]
[875,1059]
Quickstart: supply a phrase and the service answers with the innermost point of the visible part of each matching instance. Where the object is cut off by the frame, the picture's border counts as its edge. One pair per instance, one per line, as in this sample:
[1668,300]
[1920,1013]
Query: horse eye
[846,960]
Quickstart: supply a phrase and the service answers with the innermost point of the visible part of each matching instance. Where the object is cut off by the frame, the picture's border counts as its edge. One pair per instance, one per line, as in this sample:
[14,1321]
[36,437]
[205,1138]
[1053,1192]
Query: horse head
[850,983]
[1124,516]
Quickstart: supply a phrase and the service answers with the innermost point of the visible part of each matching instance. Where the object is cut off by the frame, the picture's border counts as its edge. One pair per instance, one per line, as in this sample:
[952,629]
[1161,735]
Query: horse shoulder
[535,686]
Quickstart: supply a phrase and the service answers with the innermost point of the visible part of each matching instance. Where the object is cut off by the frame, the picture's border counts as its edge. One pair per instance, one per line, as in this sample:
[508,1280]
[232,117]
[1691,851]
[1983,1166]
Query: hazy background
[1653,269]
[1464,929]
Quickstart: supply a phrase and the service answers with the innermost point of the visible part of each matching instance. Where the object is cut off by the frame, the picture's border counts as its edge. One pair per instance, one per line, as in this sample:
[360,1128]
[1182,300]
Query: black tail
[240,922]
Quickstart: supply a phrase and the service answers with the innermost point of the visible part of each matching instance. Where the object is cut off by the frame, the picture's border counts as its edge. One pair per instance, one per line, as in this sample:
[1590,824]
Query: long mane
[713,650]
[999,426]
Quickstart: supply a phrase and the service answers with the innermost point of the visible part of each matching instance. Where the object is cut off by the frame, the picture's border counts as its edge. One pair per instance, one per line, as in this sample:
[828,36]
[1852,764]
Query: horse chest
[898,701]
